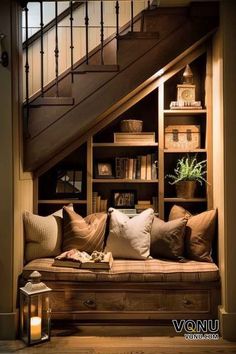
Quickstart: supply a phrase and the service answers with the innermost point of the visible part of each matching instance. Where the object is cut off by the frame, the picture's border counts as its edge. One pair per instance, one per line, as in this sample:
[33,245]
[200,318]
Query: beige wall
[15,187]
[224,118]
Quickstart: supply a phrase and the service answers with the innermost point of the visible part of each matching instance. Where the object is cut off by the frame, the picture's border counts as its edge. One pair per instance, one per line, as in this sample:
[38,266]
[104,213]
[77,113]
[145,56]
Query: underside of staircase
[56,127]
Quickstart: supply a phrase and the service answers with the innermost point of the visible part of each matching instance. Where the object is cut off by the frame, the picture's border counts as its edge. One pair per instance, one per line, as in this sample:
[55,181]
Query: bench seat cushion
[153,270]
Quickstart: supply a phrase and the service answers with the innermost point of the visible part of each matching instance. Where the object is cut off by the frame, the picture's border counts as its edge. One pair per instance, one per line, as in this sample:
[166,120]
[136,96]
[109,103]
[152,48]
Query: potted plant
[188,172]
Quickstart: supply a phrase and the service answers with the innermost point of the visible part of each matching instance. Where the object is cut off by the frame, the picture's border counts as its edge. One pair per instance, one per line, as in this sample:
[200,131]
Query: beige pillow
[167,238]
[85,234]
[200,230]
[129,238]
[43,234]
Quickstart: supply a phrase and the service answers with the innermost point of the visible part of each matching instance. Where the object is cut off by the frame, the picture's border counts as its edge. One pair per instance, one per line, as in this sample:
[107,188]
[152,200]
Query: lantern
[35,311]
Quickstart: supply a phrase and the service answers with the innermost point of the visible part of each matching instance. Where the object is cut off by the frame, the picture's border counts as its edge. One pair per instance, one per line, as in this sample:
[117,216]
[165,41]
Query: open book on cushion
[76,259]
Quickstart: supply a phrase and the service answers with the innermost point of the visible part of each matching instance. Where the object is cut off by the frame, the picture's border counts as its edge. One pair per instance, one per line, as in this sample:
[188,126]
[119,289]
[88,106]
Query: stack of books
[142,167]
[145,204]
[140,138]
[98,204]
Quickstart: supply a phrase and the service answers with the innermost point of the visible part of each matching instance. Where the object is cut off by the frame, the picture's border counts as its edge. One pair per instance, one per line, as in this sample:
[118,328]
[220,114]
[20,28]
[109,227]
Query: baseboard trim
[8,325]
[228,324]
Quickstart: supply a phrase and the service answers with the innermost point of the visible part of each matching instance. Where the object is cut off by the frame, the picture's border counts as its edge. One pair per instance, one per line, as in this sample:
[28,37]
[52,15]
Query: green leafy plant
[189,169]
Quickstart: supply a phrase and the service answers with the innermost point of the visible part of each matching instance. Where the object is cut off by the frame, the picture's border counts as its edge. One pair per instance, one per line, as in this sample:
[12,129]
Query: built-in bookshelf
[124,159]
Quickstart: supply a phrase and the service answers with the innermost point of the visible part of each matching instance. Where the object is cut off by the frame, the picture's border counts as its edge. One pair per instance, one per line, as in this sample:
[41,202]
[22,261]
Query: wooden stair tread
[52,101]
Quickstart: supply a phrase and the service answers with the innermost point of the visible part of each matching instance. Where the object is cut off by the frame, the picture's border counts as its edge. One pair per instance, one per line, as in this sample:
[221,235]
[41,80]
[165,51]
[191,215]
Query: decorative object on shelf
[123,198]
[131,126]
[69,182]
[186,93]
[140,138]
[35,312]
[185,137]
[187,173]
[103,169]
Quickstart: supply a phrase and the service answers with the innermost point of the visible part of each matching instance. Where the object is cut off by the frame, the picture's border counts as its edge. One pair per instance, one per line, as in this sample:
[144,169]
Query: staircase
[93,92]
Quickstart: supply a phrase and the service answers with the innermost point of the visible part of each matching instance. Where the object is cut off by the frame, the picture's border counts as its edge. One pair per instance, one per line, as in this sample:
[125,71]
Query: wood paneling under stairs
[52,130]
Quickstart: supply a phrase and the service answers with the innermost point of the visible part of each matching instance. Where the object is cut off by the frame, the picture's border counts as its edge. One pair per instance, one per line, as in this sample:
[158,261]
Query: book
[131,168]
[149,167]
[154,166]
[76,259]
[134,169]
[98,203]
[143,167]
[94,201]
[140,138]
[138,168]
[141,202]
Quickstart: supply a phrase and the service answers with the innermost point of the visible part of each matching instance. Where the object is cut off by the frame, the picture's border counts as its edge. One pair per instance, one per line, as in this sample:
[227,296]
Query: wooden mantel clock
[186,93]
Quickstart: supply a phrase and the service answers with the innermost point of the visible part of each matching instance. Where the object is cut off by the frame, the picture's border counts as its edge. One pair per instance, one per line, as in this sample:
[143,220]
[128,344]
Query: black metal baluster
[149,5]
[132,16]
[117,7]
[26,69]
[86,19]
[41,48]
[56,51]
[102,34]
[71,40]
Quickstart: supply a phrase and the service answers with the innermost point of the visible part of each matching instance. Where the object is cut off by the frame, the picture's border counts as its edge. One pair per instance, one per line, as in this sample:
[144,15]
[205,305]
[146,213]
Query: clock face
[187,95]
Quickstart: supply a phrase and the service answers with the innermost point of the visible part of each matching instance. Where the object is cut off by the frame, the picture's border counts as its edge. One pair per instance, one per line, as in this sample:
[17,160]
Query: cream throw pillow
[43,234]
[129,238]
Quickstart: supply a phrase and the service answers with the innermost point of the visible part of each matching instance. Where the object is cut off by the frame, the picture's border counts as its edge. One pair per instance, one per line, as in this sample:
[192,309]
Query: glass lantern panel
[35,318]
[24,317]
[46,317]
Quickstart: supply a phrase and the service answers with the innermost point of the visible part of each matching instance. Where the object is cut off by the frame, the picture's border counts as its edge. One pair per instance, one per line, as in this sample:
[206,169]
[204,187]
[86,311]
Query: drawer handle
[90,303]
[186,302]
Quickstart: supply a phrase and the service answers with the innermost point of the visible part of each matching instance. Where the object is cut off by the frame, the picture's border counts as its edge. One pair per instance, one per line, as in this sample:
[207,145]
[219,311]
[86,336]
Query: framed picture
[103,169]
[69,183]
[124,198]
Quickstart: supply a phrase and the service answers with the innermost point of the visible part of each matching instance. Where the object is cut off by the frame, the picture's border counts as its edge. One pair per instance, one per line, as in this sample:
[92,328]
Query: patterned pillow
[43,234]
[200,230]
[130,238]
[167,238]
[85,234]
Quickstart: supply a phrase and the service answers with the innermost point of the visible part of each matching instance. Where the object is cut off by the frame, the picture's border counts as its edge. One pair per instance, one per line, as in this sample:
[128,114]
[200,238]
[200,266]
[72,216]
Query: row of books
[143,167]
[98,204]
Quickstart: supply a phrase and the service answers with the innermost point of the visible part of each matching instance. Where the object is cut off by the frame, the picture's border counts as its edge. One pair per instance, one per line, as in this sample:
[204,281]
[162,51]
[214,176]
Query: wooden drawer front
[135,301]
[185,301]
[83,301]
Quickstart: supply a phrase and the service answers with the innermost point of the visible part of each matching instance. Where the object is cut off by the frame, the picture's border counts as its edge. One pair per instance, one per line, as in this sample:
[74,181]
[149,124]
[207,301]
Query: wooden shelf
[184,151]
[173,112]
[61,201]
[192,200]
[123,180]
[123,144]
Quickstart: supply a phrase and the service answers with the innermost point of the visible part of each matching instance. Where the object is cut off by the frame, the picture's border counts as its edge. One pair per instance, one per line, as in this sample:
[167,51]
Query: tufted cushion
[129,238]
[86,234]
[151,270]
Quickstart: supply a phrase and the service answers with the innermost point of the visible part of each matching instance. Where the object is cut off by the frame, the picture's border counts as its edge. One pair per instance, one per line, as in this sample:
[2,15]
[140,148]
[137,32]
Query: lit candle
[35,328]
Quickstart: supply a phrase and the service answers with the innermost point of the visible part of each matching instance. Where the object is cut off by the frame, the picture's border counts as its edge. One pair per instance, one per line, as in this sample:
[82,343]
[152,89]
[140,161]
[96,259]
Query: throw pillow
[43,234]
[86,234]
[129,238]
[200,230]
[167,238]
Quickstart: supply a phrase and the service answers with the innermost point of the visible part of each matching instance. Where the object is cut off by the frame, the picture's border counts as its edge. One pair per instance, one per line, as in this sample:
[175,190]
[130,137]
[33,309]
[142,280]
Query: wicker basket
[131,126]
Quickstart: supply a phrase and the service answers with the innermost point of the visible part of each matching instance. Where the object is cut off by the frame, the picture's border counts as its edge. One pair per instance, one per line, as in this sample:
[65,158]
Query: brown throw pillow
[167,238]
[200,230]
[85,234]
